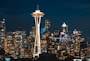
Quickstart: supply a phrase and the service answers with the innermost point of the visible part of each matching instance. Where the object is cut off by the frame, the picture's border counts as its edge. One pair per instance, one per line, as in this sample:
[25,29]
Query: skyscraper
[2,33]
[47,24]
[64,27]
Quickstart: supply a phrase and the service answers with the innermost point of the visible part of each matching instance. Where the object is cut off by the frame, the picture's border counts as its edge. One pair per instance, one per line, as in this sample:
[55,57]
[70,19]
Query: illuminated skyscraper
[19,43]
[37,45]
[2,33]
[64,27]
[33,31]
[47,24]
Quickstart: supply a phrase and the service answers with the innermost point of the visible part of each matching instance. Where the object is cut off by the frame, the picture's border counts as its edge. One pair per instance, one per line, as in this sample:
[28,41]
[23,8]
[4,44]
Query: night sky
[76,14]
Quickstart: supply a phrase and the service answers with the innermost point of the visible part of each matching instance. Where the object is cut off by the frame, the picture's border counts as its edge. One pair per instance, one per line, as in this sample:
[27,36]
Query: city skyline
[63,34]
[60,43]
[75,13]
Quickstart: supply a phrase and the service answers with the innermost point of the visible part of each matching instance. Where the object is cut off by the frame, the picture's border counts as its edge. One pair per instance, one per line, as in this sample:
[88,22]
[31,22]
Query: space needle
[37,45]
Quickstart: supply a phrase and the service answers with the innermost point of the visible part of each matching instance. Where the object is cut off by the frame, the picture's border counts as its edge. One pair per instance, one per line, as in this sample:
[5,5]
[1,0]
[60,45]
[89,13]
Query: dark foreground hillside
[44,57]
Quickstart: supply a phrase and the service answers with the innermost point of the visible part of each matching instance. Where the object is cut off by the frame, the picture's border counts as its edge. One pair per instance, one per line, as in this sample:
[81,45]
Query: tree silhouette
[2,52]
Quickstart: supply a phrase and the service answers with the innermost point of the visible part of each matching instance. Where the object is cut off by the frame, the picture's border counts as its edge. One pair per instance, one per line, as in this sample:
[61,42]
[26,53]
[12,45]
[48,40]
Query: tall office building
[2,33]
[46,29]
[9,43]
[37,46]
[47,24]
[19,42]
[64,27]
[33,31]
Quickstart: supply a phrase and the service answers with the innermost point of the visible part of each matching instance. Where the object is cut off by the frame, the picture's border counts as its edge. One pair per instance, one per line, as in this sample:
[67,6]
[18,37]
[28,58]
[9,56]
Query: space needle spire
[37,45]
[37,7]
